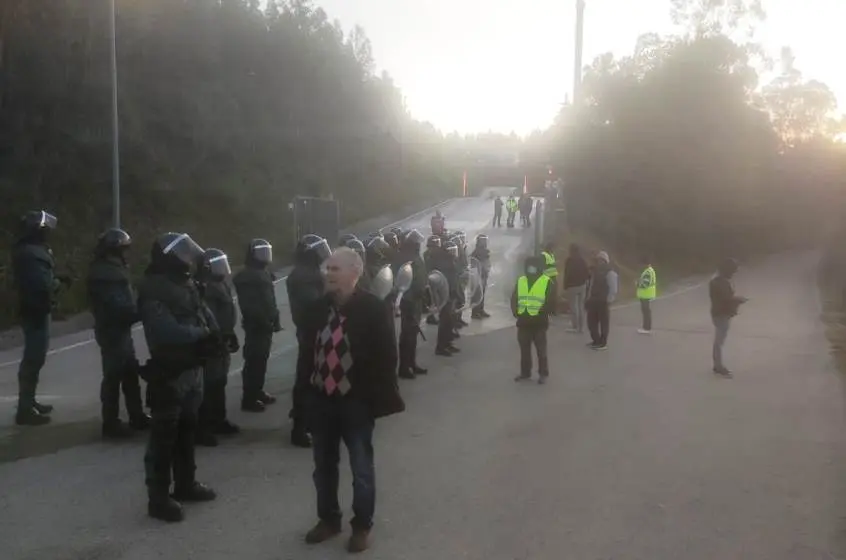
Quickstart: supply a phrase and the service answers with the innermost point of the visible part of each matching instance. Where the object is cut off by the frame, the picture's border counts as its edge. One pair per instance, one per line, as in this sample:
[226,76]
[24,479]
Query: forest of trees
[229,108]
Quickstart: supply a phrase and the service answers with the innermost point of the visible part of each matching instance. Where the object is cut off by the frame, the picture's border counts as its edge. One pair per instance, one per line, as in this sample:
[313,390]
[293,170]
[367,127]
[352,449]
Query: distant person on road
[182,335]
[526,204]
[213,275]
[497,219]
[576,276]
[305,286]
[529,304]
[511,208]
[601,293]
[113,306]
[482,253]
[260,318]
[438,223]
[647,291]
[37,285]
[348,370]
[724,306]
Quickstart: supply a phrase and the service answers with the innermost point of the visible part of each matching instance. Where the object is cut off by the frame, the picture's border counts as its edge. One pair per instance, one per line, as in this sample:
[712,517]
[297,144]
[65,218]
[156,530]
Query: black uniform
[445,263]
[482,254]
[305,286]
[36,283]
[411,306]
[213,280]
[181,334]
[260,318]
[113,306]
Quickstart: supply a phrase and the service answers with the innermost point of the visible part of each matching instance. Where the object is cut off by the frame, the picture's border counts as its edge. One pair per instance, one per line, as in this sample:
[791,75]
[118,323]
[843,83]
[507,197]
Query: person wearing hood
[725,305]
[482,253]
[37,284]
[112,303]
[601,292]
[260,318]
[305,285]
[530,303]
[182,335]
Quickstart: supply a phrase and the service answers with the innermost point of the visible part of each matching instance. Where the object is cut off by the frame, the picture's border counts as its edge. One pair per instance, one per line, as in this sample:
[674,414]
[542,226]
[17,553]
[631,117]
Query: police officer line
[86,342]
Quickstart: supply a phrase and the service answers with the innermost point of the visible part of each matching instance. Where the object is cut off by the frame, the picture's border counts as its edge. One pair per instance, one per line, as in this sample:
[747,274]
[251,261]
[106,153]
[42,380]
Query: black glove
[232,344]
[210,346]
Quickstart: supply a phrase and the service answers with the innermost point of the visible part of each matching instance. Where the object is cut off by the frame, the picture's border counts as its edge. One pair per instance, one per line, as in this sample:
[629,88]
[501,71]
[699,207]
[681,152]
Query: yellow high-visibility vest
[530,300]
[551,270]
[647,286]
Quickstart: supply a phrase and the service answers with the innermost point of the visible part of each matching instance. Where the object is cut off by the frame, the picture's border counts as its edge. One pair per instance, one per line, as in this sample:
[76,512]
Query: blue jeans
[332,419]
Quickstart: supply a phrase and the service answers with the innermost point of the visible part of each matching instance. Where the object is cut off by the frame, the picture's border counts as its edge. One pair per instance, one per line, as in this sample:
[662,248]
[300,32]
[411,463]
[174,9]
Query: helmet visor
[263,253]
[185,249]
[219,266]
[321,248]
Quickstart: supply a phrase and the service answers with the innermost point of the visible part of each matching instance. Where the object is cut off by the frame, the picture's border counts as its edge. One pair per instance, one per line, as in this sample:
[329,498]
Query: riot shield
[438,287]
[471,283]
[382,282]
[402,281]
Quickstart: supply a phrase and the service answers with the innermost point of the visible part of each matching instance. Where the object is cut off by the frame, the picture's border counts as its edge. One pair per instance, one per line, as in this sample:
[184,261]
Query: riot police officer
[113,306]
[377,255]
[482,254]
[434,246]
[445,262]
[181,335]
[36,282]
[345,238]
[411,306]
[357,246]
[213,274]
[305,285]
[260,318]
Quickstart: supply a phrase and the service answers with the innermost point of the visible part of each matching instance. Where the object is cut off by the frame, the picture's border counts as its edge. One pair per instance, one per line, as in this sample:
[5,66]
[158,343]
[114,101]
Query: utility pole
[115,129]
[577,63]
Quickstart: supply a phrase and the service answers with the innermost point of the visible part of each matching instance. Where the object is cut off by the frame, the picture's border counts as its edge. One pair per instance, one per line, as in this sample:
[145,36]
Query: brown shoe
[358,541]
[322,532]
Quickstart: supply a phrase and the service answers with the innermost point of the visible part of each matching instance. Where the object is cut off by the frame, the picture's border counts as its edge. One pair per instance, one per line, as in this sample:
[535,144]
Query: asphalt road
[638,452]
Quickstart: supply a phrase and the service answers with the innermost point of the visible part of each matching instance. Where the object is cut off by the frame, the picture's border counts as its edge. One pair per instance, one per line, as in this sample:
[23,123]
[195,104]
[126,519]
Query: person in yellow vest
[647,291]
[551,270]
[529,304]
[511,208]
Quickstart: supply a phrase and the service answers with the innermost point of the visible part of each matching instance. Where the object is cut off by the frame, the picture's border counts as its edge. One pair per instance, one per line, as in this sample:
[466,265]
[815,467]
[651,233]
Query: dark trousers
[598,321]
[36,331]
[497,221]
[297,413]
[173,408]
[646,311]
[526,337]
[510,221]
[446,325]
[410,312]
[212,411]
[120,374]
[331,420]
[481,306]
[257,344]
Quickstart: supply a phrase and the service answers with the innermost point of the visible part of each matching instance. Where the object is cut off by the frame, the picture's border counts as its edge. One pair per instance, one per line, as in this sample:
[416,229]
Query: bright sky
[503,65]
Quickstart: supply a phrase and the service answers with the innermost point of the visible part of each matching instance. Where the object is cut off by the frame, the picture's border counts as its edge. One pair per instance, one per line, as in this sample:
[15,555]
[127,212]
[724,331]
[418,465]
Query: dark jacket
[256,298]
[372,337]
[111,299]
[305,285]
[576,272]
[220,301]
[33,266]
[541,320]
[724,302]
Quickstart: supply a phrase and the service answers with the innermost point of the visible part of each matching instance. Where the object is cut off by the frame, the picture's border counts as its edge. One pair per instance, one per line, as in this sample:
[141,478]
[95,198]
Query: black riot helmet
[412,239]
[397,231]
[373,234]
[481,241]
[357,246]
[260,252]
[175,253]
[36,224]
[452,249]
[378,250]
[434,242]
[392,239]
[214,265]
[312,250]
[461,237]
[344,238]
[113,241]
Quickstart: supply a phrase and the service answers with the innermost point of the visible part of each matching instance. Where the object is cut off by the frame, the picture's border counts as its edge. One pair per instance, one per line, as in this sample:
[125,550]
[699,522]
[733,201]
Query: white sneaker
[644,331]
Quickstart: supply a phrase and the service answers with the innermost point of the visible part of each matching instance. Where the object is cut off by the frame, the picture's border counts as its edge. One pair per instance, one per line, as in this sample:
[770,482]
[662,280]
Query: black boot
[193,492]
[253,406]
[163,507]
[406,373]
[115,429]
[226,428]
[300,438]
[139,421]
[419,370]
[30,417]
[43,408]
[206,438]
